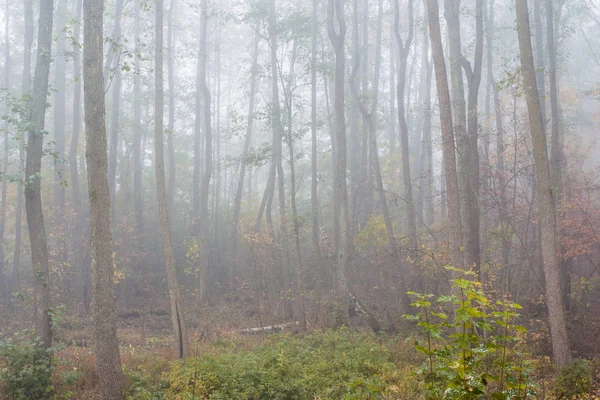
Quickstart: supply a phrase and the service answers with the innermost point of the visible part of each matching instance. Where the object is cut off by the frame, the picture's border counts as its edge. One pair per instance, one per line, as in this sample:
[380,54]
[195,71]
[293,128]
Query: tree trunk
[203,215]
[314,195]
[403,52]
[76,238]
[171,126]
[115,116]
[449,157]
[33,169]
[60,75]
[177,319]
[335,13]
[247,142]
[556,311]
[25,87]
[104,307]
[138,155]
[539,55]
[3,275]
[468,200]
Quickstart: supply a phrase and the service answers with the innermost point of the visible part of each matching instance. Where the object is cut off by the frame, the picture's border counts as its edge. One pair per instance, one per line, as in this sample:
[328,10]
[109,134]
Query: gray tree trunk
[337,35]
[25,87]
[554,302]
[138,155]
[177,319]
[104,307]
[449,156]
[33,177]
[115,115]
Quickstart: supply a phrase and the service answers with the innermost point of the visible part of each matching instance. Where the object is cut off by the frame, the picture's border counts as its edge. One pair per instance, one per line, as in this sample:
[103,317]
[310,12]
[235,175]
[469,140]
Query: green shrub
[332,365]
[472,349]
[574,379]
[25,368]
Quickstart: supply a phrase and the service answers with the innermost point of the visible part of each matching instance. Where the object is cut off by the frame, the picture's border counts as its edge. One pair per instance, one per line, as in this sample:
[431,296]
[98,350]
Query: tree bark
[335,14]
[449,157]
[403,52]
[171,125]
[3,275]
[104,307]
[203,215]
[33,177]
[25,88]
[177,319]
[554,302]
[138,155]
[467,194]
[539,55]
[247,142]
[115,116]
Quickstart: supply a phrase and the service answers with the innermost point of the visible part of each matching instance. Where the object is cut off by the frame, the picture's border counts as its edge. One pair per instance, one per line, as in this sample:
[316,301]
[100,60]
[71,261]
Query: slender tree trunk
[104,307]
[314,195]
[556,311]
[177,319]
[502,206]
[471,240]
[203,215]
[539,55]
[171,127]
[78,228]
[472,196]
[247,142]
[60,75]
[25,88]
[403,51]
[115,116]
[33,169]
[3,275]
[138,155]
[449,161]
[337,35]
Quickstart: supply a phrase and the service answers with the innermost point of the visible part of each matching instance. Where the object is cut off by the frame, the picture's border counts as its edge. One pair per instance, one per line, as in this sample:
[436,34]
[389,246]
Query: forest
[299,199]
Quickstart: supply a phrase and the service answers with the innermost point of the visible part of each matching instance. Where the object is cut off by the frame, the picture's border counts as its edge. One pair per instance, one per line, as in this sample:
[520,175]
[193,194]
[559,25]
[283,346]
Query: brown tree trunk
[104,307]
[451,178]
[556,310]
[33,177]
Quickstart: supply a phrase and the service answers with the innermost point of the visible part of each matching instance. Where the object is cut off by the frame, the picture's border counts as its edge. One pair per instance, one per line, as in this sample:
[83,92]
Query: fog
[185,168]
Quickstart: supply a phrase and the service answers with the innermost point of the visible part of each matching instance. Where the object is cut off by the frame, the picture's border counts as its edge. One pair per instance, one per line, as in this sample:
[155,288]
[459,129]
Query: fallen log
[269,328]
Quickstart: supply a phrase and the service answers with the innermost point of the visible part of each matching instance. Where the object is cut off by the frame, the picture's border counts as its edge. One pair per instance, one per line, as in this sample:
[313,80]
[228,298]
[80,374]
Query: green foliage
[25,368]
[326,365]
[472,350]
[574,379]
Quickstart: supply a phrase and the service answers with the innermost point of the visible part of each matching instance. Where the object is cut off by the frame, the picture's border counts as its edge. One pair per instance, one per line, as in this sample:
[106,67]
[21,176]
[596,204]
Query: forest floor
[348,363]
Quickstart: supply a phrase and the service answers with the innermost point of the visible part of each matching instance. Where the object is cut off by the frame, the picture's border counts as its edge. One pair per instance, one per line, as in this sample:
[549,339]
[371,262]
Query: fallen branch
[270,328]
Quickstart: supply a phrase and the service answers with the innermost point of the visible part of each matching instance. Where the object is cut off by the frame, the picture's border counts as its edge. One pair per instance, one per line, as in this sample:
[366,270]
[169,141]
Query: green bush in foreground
[25,368]
[574,379]
[332,365]
[471,350]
